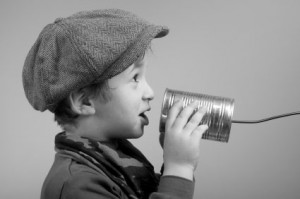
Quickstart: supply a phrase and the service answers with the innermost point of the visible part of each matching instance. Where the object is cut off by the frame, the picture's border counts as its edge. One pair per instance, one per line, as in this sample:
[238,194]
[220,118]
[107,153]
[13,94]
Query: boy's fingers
[185,115]
[199,131]
[173,113]
[195,120]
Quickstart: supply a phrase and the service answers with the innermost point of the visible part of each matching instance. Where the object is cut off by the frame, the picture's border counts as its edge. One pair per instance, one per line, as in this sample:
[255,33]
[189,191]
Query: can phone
[230,104]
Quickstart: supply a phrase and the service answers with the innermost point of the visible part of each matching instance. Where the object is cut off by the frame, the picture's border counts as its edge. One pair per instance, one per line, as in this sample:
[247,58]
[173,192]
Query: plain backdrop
[246,50]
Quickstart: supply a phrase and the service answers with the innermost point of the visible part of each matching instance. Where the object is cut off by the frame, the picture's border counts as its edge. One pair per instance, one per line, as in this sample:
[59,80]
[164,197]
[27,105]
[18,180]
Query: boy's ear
[81,104]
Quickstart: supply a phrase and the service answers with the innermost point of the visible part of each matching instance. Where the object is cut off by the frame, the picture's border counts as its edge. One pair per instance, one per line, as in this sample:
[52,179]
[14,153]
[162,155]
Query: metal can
[218,116]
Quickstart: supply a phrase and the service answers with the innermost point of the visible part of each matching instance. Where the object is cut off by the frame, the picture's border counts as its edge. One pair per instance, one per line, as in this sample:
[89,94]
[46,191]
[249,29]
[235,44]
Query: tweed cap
[85,48]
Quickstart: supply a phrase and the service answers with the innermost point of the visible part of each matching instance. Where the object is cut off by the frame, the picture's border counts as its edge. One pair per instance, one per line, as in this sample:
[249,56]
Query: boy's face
[123,116]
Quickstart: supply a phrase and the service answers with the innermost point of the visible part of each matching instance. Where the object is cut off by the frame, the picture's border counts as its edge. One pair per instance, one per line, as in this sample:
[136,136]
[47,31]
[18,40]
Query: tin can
[218,116]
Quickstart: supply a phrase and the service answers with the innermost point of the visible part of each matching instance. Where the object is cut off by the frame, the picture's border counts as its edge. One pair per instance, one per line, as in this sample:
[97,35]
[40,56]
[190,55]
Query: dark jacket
[72,177]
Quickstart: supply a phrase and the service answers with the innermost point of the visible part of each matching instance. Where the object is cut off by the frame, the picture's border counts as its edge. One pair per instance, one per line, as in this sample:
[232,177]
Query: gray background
[246,50]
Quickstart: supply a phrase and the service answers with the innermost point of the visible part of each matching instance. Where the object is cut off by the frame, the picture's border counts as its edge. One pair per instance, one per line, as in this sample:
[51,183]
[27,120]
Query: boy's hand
[182,140]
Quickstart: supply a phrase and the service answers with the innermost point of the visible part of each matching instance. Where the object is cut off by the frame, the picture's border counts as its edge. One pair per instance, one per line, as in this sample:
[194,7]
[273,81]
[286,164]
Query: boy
[89,69]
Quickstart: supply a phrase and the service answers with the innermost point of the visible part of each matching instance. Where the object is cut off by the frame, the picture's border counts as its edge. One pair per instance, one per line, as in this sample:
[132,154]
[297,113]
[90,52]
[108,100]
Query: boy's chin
[136,135]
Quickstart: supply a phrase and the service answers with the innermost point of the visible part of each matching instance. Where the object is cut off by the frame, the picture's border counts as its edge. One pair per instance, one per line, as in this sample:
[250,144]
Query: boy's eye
[135,78]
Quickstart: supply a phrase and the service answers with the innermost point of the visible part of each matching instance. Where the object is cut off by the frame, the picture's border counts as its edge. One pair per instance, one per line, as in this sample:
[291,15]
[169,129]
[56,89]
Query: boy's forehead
[141,61]
[138,65]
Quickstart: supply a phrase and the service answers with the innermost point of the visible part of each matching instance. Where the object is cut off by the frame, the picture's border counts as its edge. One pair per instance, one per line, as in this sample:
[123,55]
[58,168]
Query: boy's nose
[148,93]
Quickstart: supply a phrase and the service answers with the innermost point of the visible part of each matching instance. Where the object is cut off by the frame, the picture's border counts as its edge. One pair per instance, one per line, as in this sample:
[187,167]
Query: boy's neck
[87,128]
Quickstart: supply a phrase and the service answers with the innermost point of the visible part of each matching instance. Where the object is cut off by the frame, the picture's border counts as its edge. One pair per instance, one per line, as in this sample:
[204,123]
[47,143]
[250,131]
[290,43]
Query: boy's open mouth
[144,118]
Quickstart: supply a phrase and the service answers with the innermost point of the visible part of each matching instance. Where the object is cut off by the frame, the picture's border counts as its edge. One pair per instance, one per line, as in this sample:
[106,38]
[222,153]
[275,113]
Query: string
[265,119]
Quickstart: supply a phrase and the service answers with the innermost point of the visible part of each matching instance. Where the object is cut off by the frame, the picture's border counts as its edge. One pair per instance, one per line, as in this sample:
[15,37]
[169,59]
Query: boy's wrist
[183,171]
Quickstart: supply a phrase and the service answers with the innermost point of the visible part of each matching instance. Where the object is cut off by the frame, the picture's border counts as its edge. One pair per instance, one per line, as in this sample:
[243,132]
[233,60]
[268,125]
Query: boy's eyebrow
[137,65]
[134,67]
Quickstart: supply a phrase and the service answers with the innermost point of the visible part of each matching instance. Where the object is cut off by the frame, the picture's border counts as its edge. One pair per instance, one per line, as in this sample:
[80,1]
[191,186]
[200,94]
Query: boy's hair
[87,47]
[63,113]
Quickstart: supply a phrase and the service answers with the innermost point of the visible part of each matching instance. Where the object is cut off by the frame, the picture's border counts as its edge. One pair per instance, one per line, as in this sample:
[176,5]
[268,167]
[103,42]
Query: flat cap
[87,47]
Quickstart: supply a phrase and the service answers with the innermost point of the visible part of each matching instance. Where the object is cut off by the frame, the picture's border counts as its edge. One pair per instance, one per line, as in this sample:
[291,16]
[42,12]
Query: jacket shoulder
[69,178]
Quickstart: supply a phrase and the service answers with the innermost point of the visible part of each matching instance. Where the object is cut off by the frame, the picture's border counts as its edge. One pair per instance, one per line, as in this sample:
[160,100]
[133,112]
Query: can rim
[164,112]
